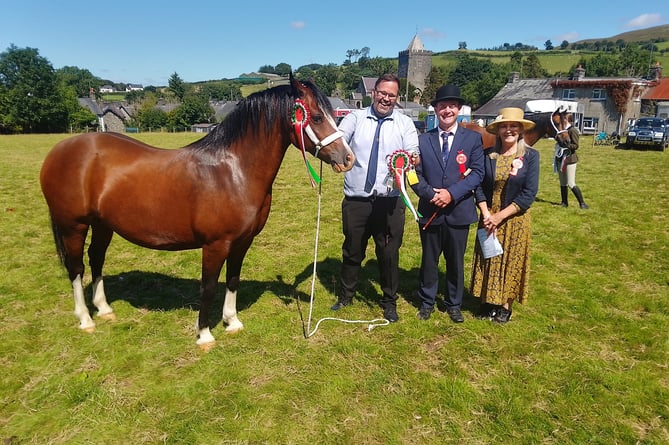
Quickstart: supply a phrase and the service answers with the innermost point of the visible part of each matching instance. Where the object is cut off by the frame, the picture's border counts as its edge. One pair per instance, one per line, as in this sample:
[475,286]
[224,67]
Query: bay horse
[545,124]
[213,194]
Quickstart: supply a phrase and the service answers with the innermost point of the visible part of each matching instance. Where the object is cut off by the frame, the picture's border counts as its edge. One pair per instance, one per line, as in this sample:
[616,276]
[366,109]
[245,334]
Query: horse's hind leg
[100,239]
[71,249]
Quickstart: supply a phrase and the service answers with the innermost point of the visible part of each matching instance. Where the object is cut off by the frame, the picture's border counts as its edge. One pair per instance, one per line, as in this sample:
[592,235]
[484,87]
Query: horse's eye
[317,119]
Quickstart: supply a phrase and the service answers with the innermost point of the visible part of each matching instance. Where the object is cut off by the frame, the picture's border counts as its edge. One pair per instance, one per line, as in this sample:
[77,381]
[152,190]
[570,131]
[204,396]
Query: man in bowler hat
[450,168]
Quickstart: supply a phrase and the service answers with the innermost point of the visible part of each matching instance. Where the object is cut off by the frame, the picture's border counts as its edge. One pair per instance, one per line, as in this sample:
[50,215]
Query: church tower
[414,63]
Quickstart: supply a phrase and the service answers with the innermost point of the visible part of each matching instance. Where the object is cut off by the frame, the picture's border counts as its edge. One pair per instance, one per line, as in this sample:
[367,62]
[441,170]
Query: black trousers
[383,220]
[451,242]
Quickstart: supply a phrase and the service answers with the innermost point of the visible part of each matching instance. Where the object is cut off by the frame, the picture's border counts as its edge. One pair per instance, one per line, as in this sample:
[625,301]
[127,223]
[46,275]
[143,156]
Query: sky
[145,42]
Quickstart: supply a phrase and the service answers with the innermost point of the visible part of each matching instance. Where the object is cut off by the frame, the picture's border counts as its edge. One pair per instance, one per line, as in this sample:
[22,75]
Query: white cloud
[298,25]
[644,21]
[569,37]
[431,33]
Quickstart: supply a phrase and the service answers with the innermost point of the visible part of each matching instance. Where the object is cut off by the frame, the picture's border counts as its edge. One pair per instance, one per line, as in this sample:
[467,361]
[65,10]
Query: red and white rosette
[516,165]
[398,163]
[300,118]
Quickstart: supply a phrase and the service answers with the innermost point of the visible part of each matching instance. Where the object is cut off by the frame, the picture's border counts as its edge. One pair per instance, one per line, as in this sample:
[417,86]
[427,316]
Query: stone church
[415,63]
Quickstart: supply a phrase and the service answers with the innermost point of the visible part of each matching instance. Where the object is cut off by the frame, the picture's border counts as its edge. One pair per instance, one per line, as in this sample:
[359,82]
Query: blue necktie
[444,147]
[373,158]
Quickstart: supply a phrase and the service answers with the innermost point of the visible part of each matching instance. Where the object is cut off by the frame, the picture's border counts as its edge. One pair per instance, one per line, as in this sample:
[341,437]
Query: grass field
[585,361]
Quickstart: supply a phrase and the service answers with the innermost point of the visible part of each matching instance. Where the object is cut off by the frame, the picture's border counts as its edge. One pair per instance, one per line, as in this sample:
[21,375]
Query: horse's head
[313,117]
[560,123]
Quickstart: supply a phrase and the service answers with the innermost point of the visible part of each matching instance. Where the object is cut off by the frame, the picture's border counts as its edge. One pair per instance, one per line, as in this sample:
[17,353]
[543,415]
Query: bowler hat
[448,92]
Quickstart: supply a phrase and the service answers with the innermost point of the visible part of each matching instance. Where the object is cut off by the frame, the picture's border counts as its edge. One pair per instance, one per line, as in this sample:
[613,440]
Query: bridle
[301,123]
[559,112]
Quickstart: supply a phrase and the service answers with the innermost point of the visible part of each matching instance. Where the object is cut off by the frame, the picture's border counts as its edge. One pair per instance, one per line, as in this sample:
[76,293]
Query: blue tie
[444,147]
[373,158]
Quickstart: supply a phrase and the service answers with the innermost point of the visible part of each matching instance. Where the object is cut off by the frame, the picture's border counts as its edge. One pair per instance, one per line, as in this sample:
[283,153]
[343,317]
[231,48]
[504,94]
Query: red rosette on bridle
[300,118]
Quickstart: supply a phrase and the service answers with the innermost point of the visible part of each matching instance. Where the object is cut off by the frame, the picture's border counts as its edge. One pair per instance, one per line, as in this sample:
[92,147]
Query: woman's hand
[491,222]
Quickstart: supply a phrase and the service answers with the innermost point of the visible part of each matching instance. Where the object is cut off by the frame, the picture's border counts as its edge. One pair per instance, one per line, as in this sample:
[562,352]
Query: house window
[598,94]
[590,123]
[568,93]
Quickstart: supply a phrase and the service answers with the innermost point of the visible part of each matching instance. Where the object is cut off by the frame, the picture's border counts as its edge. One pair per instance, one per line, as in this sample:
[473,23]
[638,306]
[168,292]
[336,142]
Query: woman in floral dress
[509,188]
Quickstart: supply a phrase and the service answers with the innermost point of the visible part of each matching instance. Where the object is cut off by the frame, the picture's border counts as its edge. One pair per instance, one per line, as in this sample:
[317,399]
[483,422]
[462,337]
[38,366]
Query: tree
[516,62]
[377,66]
[548,45]
[78,117]
[283,69]
[435,79]
[326,78]
[194,109]
[599,65]
[30,97]
[462,45]
[177,86]
[532,68]
[80,79]
[564,44]
[267,69]
[634,61]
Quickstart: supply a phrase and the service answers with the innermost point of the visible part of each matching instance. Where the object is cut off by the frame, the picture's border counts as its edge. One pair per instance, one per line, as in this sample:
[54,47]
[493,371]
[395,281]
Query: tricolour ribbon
[399,163]
[300,119]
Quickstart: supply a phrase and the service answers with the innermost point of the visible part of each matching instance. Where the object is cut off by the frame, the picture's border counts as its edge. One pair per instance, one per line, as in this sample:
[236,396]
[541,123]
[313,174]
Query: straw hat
[509,115]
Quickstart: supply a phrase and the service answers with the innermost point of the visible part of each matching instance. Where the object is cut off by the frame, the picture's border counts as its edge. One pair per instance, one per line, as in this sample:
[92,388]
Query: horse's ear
[298,87]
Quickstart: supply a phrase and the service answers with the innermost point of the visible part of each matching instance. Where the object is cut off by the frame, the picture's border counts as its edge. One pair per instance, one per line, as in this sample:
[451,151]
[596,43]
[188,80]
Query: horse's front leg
[212,263]
[232,279]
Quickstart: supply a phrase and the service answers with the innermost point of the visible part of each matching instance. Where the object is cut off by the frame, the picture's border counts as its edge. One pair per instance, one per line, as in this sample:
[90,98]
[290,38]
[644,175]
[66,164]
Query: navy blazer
[521,188]
[433,174]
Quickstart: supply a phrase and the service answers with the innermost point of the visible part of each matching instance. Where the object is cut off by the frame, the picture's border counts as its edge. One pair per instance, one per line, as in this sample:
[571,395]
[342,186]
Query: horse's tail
[58,239]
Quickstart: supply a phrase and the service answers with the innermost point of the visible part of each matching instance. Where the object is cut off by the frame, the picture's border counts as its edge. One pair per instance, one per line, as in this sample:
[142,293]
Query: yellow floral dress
[504,277]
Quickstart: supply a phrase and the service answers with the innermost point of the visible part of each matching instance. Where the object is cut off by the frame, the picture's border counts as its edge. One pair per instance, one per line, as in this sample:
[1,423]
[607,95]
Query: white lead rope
[371,323]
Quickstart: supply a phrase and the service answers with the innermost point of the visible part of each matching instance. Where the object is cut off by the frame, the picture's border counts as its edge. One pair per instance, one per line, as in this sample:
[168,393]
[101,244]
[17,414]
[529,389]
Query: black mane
[263,108]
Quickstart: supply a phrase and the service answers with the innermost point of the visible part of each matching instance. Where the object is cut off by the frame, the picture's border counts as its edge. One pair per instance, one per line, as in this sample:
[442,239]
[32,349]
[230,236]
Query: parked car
[650,132]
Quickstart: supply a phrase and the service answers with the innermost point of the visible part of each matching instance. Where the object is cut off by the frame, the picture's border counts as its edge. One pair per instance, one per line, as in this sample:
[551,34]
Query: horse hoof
[89,329]
[206,347]
[110,316]
[234,328]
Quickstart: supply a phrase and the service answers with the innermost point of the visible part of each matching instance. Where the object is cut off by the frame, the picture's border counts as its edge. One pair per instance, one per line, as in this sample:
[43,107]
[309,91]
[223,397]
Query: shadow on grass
[159,292]
[327,272]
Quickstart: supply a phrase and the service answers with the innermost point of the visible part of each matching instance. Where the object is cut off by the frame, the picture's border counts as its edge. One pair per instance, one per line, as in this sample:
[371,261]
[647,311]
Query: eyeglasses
[383,94]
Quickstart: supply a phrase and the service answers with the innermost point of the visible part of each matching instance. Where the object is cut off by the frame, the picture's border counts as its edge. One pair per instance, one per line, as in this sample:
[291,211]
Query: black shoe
[487,311]
[455,314]
[564,204]
[424,313]
[340,304]
[584,206]
[390,314]
[503,316]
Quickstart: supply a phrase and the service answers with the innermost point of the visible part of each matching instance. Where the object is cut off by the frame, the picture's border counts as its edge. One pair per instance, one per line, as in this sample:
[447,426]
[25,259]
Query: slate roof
[416,44]
[516,94]
[91,105]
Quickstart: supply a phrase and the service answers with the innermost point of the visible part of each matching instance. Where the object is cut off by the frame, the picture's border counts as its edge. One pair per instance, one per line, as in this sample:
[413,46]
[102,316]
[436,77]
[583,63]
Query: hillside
[660,32]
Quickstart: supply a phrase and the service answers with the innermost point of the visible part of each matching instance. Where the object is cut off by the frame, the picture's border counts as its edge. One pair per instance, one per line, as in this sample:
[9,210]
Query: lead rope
[308,333]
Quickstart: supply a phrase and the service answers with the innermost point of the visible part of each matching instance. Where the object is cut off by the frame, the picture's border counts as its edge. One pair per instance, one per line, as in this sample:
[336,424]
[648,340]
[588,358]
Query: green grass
[585,361]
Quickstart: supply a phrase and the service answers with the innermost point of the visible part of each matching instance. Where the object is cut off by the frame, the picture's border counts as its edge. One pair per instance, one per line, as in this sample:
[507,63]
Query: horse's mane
[540,118]
[261,109]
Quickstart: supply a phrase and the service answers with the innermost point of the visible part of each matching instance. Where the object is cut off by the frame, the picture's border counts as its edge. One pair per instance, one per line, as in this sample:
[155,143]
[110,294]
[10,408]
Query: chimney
[655,72]
[579,73]
[514,76]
